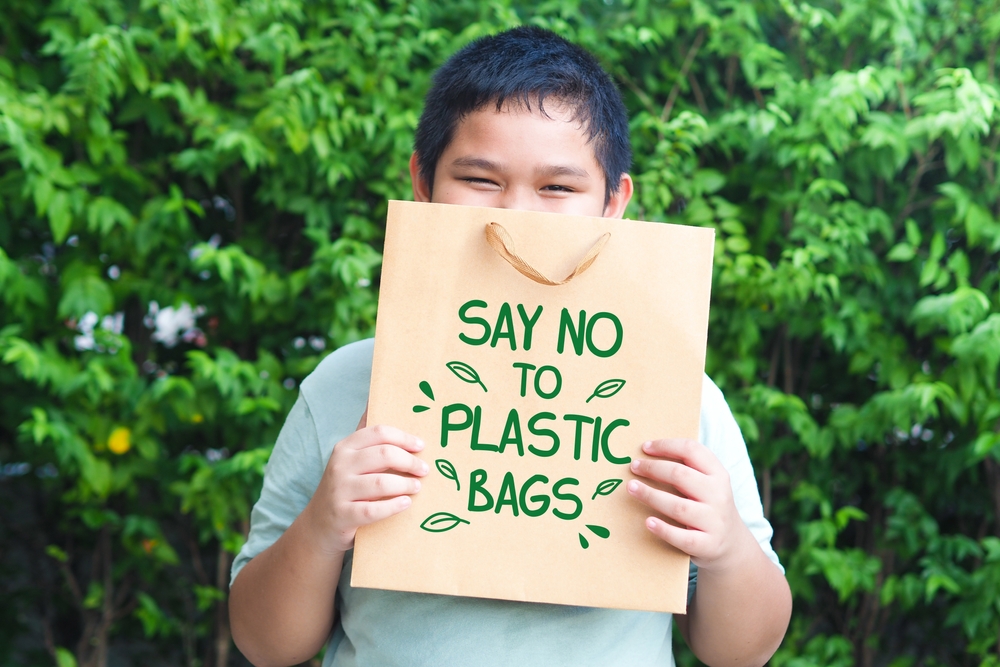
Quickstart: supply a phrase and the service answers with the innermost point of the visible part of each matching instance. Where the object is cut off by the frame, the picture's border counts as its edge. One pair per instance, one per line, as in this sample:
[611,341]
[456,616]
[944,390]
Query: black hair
[525,66]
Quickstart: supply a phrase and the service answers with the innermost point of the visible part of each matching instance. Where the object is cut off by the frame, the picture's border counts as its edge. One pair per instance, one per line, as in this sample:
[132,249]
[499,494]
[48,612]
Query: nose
[517,199]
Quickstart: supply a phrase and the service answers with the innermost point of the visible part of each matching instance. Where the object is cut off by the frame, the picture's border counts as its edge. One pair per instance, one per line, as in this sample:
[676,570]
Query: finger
[684,511]
[689,452]
[690,542]
[385,458]
[685,479]
[378,486]
[365,512]
[386,435]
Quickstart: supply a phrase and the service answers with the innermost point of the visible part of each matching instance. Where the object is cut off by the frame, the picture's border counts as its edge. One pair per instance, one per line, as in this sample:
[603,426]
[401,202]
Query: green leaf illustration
[600,531]
[583,541]
[445,467]
[440,522]
[420,408]
[465,373]
[425,387]
[606,488]
[607,389]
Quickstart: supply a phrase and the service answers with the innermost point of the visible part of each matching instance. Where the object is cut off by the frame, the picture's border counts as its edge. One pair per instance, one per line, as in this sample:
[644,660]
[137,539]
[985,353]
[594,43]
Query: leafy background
[191,204]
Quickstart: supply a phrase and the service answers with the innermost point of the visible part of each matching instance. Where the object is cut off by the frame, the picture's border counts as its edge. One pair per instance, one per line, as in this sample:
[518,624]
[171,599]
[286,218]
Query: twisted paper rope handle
[500,240]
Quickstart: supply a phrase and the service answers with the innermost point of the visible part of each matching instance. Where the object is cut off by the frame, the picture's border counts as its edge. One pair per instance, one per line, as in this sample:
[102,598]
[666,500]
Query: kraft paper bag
[534,353]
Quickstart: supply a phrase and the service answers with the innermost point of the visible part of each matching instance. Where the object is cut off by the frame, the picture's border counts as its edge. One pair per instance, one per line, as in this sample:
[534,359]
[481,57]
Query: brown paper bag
[532,397]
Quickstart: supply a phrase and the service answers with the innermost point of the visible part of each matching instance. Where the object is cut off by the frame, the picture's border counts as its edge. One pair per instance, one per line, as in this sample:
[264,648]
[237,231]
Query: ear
[421,188]
[615,207]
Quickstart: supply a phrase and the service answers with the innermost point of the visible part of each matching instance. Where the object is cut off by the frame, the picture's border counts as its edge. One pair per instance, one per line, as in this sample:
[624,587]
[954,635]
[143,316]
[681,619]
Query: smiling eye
[557,188]
[477,181]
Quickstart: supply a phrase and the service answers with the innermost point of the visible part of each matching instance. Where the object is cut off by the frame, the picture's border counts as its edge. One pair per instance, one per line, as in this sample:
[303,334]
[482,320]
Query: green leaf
[65,658]
[901,252]
[607,389]
[448,470]
[154,620]
[57,553]
[104,213]
[440,522]
[426,388]
[60,216]
[606,488]
[95,596]
[84,292]
[583,541]
[465,373]
[420,408]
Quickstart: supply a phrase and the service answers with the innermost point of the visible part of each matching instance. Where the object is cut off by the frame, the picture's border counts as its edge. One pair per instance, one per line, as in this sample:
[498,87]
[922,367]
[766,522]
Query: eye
[558,188]
[475,180]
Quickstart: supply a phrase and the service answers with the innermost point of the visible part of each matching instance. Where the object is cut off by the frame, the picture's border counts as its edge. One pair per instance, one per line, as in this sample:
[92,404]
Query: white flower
[114,323]
[88,323]
[173,324]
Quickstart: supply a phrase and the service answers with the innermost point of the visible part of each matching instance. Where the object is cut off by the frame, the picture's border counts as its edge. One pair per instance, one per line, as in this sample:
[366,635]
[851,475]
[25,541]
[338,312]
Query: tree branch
[699,96]
[688,60]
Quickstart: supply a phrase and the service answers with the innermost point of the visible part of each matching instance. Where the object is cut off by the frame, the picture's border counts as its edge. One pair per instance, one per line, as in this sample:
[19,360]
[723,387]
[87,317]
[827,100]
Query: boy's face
[520,159]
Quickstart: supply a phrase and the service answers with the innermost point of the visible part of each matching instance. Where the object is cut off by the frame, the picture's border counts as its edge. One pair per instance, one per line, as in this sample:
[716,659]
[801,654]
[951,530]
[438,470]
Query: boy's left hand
[711,530]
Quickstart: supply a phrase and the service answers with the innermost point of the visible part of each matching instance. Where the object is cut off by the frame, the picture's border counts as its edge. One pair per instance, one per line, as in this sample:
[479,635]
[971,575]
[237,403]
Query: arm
[742,603]
[281,604]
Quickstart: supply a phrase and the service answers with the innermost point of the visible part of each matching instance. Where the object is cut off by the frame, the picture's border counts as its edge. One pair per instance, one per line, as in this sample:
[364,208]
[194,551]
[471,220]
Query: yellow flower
[197,418]
[120,440]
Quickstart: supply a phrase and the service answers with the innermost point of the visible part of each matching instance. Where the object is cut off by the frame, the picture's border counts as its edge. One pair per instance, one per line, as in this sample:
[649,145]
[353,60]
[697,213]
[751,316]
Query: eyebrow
[477,163]
[550,171]
[556,170]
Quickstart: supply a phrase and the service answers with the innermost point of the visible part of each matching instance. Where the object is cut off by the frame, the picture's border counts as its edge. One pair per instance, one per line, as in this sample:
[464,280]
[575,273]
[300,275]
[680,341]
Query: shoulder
[336,393]
[351,364]
[717,427]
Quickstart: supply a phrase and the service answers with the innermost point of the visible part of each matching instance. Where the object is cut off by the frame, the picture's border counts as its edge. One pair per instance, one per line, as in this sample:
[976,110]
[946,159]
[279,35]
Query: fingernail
[424,468]
[633,486]
[634,466]
[406,501]
[420,443]
[647,445]
[417,482]
[651,523]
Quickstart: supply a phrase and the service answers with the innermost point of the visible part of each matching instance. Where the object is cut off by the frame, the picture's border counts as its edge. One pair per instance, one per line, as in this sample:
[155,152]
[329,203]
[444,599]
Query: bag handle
[501,241]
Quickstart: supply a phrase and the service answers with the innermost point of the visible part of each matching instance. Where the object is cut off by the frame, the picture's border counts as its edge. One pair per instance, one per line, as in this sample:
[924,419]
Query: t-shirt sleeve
[292,474]
[721,434]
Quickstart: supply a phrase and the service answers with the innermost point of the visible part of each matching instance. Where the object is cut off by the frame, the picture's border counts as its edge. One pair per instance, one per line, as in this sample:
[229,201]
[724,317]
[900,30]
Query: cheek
[466,197]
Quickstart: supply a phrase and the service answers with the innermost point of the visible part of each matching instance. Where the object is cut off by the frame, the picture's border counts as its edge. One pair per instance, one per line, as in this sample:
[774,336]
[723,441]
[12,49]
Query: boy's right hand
[370,476]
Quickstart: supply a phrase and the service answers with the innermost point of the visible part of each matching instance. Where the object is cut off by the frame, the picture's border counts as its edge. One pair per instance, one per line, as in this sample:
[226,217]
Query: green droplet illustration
[583,541]
[426,388]
[465,373]
[606,488]
[607,389]
[600,531]
[440,522]
[420,408]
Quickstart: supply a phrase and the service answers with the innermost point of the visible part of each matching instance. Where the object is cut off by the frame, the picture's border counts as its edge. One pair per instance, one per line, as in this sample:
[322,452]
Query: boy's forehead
[552,135]
[549,107]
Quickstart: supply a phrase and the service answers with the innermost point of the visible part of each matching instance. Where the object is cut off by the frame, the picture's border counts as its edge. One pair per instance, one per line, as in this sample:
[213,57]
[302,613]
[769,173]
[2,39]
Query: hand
[369,477]
[711,530]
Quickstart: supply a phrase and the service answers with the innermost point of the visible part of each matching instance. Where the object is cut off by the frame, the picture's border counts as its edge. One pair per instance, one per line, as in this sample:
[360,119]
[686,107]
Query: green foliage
[191,207]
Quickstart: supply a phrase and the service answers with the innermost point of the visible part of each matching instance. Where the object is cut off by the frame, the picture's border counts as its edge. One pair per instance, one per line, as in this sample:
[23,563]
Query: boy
[521,120]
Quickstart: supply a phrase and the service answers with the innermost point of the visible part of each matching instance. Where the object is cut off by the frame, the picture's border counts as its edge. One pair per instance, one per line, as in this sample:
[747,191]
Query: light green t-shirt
[378,628]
